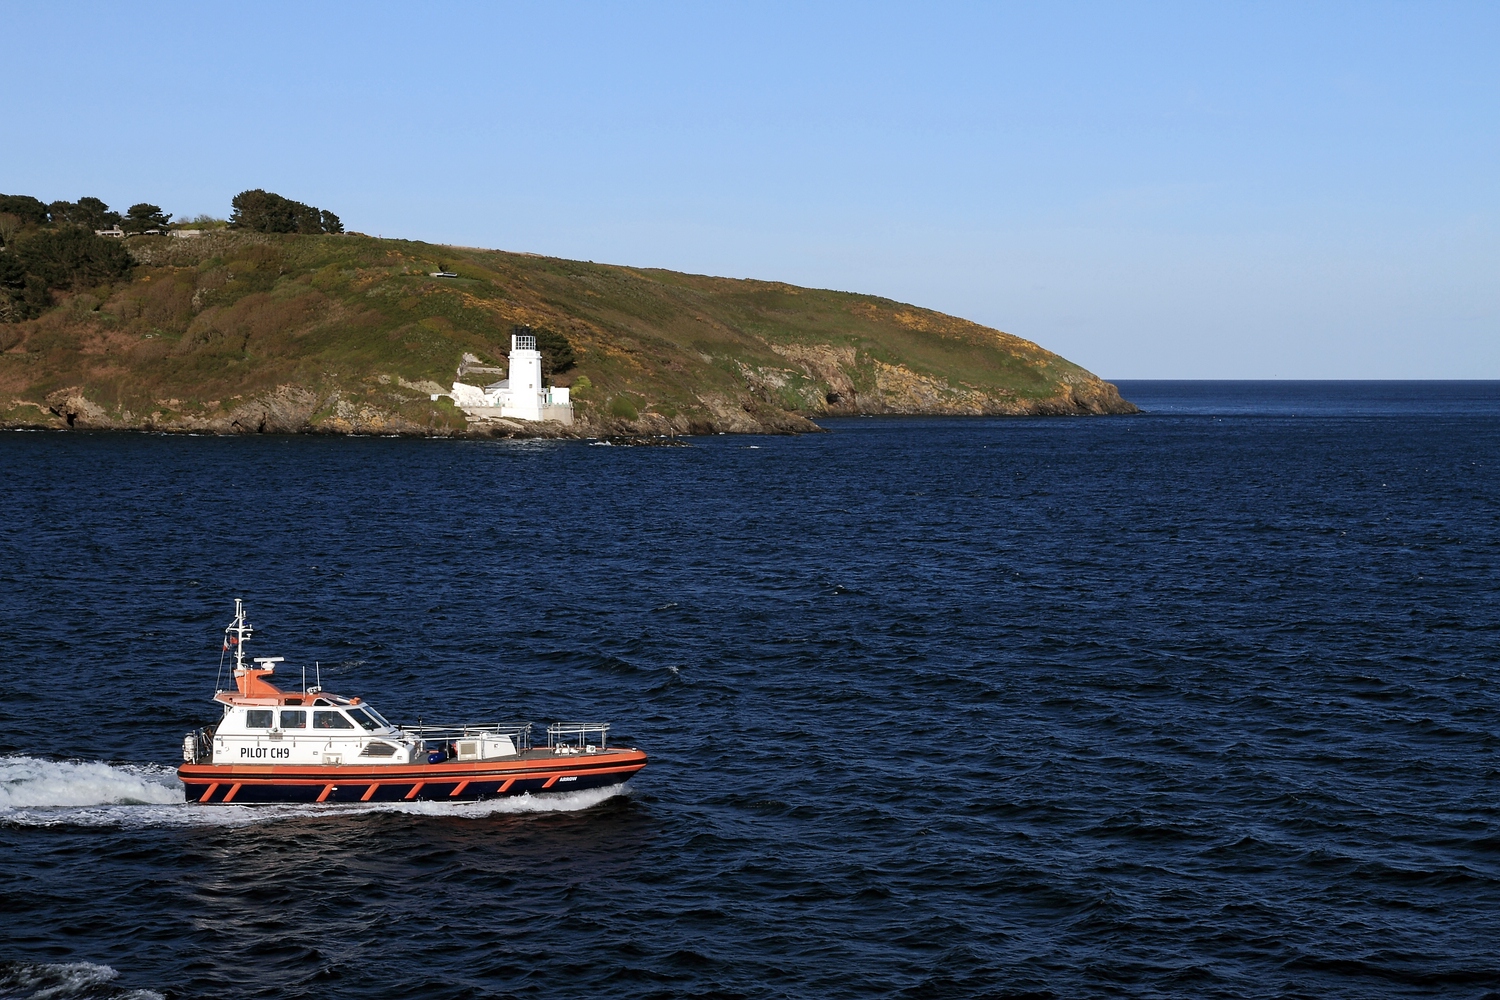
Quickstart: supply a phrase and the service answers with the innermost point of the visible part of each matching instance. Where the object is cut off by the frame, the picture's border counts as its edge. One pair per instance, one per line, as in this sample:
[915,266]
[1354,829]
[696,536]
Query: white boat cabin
[311,727]
[262,724]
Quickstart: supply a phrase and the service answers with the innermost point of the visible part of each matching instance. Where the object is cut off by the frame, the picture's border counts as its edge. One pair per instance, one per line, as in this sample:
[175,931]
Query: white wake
[58,982]
[28,783]
[36,792]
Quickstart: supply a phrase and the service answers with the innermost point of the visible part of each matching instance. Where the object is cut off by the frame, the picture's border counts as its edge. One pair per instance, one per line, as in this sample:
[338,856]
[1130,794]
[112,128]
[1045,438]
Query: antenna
[236,634]
[304,678]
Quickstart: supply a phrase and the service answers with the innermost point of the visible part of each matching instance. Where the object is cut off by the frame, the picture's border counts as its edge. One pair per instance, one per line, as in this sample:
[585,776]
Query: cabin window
[293,720]
[258,719]
[366,719]
[331,720]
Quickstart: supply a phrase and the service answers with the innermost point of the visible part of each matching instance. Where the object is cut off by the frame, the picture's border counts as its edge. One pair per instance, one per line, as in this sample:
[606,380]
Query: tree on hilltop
[143,217]
[90,213]
[29,210]
[53,247]
[263,211]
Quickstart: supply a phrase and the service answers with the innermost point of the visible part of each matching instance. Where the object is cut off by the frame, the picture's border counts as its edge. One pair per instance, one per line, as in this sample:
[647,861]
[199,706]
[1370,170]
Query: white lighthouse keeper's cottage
[519,396]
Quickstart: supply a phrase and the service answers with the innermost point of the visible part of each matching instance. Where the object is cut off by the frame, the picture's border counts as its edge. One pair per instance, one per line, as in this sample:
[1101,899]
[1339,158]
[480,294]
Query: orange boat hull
[450,781]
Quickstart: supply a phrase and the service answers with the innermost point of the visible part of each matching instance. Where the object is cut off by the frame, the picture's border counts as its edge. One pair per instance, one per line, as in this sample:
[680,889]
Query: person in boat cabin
[331,720]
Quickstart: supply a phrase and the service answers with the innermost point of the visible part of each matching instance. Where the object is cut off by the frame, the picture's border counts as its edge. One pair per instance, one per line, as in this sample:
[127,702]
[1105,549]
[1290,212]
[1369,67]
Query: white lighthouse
[523,401]
[521,395]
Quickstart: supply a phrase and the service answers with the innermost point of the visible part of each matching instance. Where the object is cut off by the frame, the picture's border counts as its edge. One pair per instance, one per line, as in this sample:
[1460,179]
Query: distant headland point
[276,320]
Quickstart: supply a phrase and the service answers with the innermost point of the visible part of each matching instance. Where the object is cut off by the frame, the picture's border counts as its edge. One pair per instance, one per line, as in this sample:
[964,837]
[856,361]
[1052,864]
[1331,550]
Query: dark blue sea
[1199,703]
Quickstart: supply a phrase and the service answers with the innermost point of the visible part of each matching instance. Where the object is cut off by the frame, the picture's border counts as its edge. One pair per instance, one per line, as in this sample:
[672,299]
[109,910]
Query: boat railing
[564,737]
[519,732]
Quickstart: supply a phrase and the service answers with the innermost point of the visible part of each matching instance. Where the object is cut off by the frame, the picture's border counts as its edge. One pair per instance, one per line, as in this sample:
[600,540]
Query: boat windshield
[366,718]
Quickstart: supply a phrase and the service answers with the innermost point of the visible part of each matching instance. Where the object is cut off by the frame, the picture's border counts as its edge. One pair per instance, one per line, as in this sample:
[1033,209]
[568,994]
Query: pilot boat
[311,745]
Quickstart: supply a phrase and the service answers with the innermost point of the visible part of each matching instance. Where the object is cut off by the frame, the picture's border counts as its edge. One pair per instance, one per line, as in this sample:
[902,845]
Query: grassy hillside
[241,331]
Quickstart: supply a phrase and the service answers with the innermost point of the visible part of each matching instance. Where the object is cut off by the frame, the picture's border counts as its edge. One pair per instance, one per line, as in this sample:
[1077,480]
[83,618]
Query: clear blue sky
[1204,190]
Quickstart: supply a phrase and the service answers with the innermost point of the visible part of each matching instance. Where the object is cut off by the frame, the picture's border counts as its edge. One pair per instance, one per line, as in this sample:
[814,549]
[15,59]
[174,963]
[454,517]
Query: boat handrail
[519,732]
[578,734]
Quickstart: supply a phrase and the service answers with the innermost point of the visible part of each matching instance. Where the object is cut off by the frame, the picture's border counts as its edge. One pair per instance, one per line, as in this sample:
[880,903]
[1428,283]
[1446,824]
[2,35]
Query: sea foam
[63,981]
[35,792]
[29,783]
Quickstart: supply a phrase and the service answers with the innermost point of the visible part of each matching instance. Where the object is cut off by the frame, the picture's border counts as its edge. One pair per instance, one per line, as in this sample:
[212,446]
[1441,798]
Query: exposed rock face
[833,375]
[1092,397]
[76,410]
[289,409]
[829,366]
[827,387]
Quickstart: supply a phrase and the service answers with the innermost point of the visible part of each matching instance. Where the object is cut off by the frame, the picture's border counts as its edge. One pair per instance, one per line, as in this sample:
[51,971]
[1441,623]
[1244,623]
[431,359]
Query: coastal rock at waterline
[77,410]
[286,410]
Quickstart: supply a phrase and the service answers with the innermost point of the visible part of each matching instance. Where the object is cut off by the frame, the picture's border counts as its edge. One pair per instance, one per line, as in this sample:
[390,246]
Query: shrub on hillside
[73,257]
[263,211]
[557,352]
[12,282]
[10,225]
[53,246]
[70,257]
[22,295]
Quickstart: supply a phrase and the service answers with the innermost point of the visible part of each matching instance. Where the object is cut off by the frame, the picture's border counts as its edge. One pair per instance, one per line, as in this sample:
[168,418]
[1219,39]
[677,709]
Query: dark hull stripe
[429,772]
[360,789]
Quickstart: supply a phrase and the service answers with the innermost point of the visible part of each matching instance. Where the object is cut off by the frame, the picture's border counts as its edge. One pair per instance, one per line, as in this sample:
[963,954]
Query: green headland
[235,330]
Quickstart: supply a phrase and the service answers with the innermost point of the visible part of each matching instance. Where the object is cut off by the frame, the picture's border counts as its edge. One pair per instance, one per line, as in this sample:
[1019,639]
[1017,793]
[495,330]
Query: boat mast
[241,630]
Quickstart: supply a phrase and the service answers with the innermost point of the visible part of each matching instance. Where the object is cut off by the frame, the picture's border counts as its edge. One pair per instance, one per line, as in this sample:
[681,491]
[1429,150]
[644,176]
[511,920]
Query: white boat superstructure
[273,745]
[262,724]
